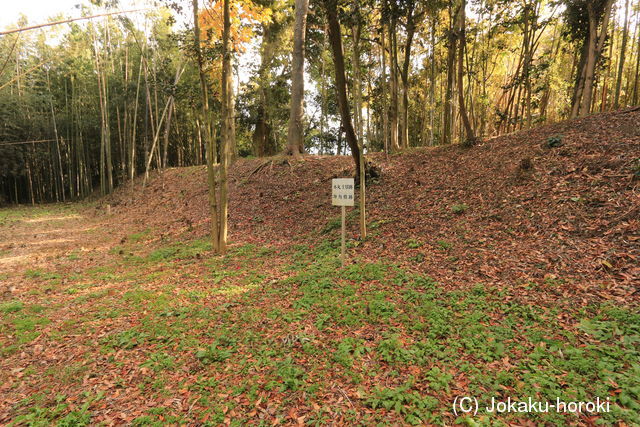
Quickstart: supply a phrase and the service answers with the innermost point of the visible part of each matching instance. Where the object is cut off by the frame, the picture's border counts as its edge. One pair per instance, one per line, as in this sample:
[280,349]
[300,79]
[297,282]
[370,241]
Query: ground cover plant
[264,334]
[117,310]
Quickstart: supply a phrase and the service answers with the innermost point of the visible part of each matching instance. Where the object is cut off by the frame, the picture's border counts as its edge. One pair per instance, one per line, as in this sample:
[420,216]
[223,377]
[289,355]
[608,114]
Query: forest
[89,105]
[320,212]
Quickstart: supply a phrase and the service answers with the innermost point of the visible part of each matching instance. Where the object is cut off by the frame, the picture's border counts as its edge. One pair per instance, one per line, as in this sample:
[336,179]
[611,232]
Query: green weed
[218,351]
[41,274]
[11,306]
[348,350]
[180,251]
[137,237]
[413,243]
[444,245]
[159,361]
[459,208]
[415,408]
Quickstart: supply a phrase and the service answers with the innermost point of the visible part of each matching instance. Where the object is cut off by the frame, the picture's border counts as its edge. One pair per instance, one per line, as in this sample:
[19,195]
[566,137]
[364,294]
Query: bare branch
[66,21]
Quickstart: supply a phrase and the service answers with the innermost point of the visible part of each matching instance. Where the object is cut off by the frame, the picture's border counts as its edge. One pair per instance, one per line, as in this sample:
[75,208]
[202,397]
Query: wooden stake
[343,255]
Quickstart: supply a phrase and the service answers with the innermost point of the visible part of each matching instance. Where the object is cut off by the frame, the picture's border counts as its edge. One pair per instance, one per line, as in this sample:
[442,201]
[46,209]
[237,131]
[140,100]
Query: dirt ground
[483,273]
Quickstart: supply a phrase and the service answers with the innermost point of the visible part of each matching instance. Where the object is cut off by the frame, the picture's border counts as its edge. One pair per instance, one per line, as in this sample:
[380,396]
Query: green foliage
[159,361]
[375,225]
[418,258]
[58,413]
[349,349]
[20,324]
[554,141]
[413,243]
[318,325]
[415,408]
[41,274]
[332,224]
[137,237]
[248,251]
[437,319]
[291,376]
[364,272]
[392,350]
[459,208]
[11,306]
[381,308]
[180,251]
[438,380]
[218,351]
[125,340]
[444,245]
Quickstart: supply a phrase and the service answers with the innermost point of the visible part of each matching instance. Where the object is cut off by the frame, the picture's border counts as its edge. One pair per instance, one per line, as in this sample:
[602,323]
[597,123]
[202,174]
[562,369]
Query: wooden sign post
[342,195]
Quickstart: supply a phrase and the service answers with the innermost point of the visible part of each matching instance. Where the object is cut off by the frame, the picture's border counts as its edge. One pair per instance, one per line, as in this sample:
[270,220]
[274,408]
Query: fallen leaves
[560,232]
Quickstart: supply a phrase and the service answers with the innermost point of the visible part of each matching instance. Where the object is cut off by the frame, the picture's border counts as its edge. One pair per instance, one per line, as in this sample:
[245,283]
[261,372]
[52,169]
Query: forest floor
[508,270]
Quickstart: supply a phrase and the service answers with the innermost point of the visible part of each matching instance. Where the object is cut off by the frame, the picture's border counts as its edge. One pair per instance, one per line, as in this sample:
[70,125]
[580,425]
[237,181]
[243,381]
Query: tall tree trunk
[357,84]
[167,131]
[470,135]
[228,126]
[385,109]
[359,126]
[393,78]
[262,139]
[432,83]
[448,97]
[30,180]
[623,49]
[529,29]
[103,128]
[132,148]
[295,136]
[594,45]
[156,136]
[606,76]
[58,142]
[323,91]
[636,79]
[404,74]
[206,116]
[335,39]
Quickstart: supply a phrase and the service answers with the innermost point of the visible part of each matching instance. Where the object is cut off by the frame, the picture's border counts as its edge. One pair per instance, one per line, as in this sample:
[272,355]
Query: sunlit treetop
[245,16]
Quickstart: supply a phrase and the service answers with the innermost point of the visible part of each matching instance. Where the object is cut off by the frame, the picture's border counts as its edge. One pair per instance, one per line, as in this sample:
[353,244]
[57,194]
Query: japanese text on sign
[342,192]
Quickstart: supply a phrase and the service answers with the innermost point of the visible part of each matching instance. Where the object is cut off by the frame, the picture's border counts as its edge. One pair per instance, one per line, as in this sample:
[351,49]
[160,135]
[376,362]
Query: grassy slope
[529,291]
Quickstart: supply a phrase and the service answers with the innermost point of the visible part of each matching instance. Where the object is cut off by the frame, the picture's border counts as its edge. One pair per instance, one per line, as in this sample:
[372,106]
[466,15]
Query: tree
[335,39]
[228,127]
[460,35]
[413,17]
[621,57]
[448,97]
[265,83]
[295,136]
[391,12]
[206,116]
[114,99]
[595,14]
[636,79]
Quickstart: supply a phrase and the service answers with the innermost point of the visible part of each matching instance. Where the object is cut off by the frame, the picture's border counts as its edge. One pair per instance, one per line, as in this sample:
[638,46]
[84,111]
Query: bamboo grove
[87,106]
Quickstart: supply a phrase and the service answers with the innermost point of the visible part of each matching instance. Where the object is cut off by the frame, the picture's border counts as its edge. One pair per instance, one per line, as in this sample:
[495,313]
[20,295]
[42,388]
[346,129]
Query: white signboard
[342,192]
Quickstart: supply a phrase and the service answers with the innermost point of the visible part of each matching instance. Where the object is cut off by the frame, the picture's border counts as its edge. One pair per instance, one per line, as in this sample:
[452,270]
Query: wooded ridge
[120,93]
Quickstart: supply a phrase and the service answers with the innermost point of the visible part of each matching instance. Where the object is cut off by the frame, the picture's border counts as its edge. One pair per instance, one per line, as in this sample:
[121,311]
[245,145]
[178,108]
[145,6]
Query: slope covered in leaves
[508,270]
[559,201]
